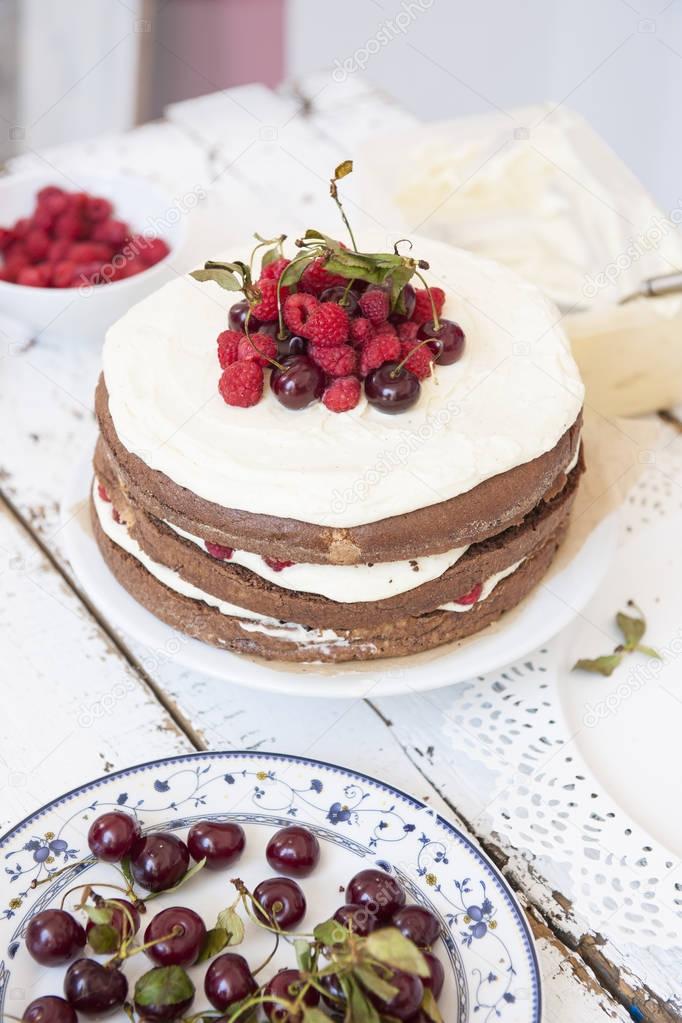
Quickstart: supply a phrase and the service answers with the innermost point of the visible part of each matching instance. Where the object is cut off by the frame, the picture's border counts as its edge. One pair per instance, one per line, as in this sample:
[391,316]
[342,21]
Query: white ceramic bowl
[86,313]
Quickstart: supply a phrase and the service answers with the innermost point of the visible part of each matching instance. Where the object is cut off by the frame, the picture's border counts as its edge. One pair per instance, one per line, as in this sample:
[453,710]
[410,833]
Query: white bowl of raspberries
[75,256]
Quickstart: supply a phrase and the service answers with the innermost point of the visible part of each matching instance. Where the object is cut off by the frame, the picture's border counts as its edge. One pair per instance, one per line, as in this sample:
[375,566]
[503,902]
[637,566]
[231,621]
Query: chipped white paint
[480,745]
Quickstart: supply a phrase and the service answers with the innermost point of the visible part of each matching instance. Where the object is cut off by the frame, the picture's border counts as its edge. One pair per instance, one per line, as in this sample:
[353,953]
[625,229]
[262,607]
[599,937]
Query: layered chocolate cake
[361,465]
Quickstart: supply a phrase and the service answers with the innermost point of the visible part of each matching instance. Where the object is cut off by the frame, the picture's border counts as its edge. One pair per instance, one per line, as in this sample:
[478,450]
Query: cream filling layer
[118,533]
[345,584]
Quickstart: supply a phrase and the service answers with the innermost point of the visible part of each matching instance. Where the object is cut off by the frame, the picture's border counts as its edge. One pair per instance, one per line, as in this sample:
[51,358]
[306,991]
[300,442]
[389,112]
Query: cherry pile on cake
[332,454]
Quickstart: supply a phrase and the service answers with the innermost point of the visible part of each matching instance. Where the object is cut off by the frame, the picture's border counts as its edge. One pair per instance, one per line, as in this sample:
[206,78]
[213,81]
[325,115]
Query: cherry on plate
[294,851]
[94,989]
[221,843]
[408,999]
[228,980]
[282,901]
[418,924]
[158,861]
[49,1009]
[125,921]
[378,891]
[112,835]
[178,934]
[447,343]
[436,977]
[357,918]
[53,937]
[286,985]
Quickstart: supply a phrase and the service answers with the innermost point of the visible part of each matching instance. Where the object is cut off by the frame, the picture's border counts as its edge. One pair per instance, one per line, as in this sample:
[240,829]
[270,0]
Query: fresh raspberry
[63,273]
[43,218]
[102,492]
[407,332]
[339,361]
[266,309]
[385,329]
[273,271]
[277,566]
[6,238]
[48,191]
[315,278]
[361,330]
[87,273]
[228,347]
[263,343]
[471,597]
[98,209]
[37,244]
[342,394]
[89,252]
[374,305]
[242,384]
[69,225]
[22,227]
[153,250]
[378,351]
[52,201]
[113,232]
[58,250]
[297,310]
[35,276]
[216,550]
[423,312]
[419,359]
[328,325]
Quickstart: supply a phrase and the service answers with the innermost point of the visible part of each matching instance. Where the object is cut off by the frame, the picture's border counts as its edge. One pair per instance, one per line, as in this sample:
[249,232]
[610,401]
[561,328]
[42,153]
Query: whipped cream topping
[510,398]
[345,583]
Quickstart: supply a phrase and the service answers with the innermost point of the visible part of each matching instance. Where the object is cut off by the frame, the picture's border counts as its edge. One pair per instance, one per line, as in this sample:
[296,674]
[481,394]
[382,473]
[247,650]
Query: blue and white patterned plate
[487,950]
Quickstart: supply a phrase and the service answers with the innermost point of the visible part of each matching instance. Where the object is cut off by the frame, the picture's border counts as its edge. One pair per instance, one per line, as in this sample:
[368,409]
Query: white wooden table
[79,699]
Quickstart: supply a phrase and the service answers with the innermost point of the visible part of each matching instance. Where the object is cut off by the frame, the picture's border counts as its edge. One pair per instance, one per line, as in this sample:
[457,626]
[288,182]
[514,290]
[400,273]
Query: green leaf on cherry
[103,939]
[330,933]
[98,914]
[164,985]
[230,921]
[430,1006]
[605,665]
[304,957]
[126,871]
[391,947]
[214,942]
[359,1008]
[225,278]
[293,273]
[372,981]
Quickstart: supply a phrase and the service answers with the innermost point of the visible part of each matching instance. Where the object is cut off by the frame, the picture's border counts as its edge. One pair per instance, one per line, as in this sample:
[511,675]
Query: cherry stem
[273,362]
[394,372]
[436,321]
[266,241]
[334,192]
[123,953]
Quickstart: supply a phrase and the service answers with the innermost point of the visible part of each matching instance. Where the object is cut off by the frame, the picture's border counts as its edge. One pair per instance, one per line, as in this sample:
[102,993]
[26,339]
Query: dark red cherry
[49,1009]
[408,300]
[220,843]
[94,989]
[447,343]
[282,900]
[298,383]
[436,974]
[357,918]
[188,930]
[156,994]
[53,937]
[378,891]
[236,317]
[407,1001]
[391,389]
[229,980]
[418,924]
[294,851]
[292,345]
[338,293]
[125,920]
[336,999]
[158,861]
[286,985]
[111,836]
